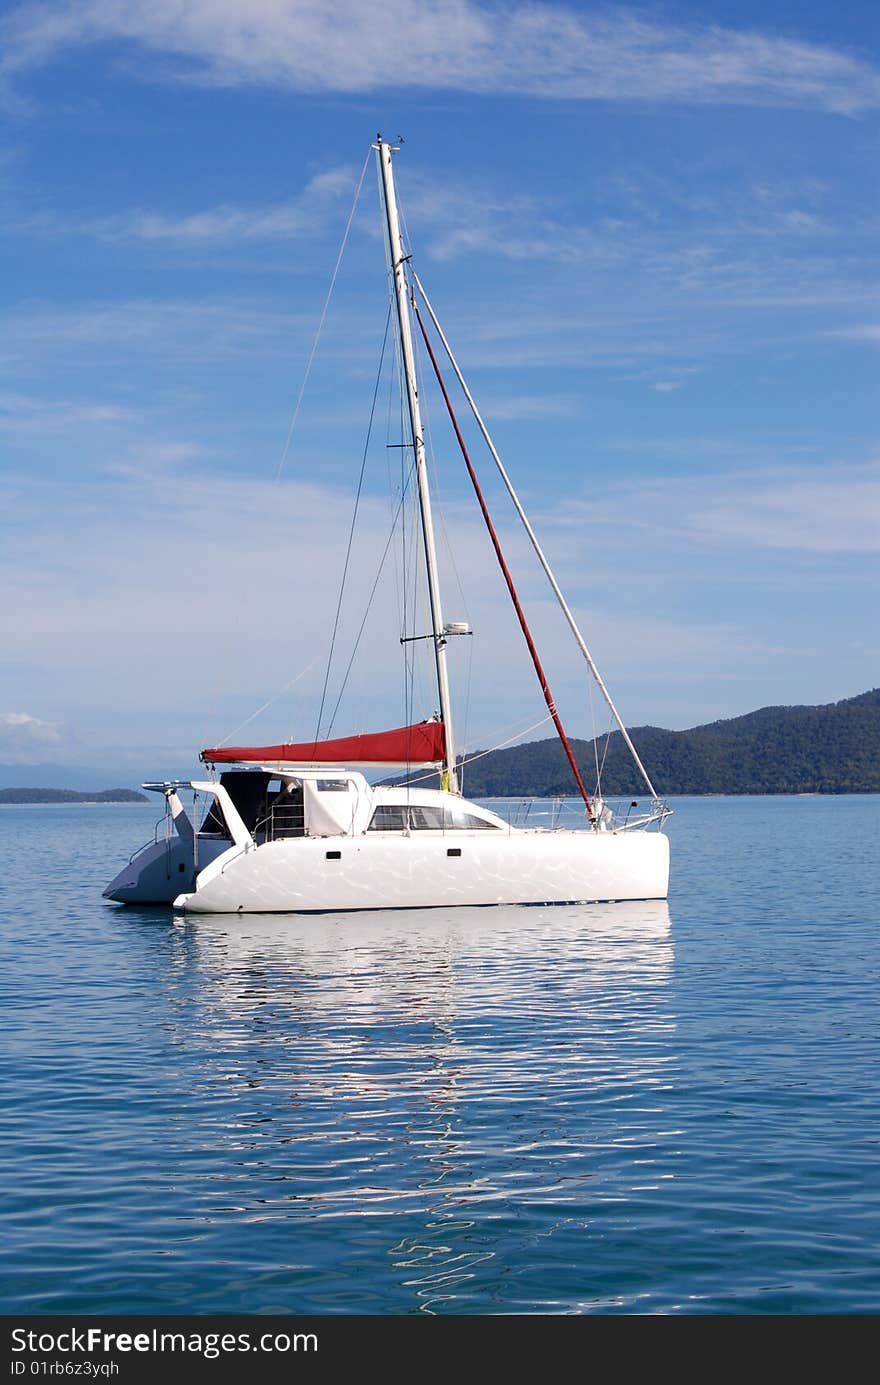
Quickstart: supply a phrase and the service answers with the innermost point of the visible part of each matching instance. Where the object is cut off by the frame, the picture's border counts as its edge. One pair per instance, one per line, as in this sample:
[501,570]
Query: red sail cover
[422,744]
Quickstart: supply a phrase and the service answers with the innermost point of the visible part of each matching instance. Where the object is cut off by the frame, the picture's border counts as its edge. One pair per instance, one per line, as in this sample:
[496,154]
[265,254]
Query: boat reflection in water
[463,1084]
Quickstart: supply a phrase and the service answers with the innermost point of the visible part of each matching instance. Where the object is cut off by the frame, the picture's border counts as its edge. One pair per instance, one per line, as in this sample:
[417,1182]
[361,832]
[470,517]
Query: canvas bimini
[298,827]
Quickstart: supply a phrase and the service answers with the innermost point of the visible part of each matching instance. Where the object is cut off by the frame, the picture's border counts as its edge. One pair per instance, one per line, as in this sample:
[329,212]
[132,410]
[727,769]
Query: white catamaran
[296,829]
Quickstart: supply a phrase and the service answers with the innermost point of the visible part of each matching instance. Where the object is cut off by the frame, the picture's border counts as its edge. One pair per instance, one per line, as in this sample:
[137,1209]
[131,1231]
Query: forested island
[829,749]
[70,796]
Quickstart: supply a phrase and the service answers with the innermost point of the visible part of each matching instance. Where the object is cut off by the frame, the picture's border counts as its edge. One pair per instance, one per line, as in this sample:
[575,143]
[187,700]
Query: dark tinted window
[247,789]
[426,819]
[389,818]
[394,817]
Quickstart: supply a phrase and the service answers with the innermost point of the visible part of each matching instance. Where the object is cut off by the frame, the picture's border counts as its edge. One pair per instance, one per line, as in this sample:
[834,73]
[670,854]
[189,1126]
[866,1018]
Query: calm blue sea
[633,1109]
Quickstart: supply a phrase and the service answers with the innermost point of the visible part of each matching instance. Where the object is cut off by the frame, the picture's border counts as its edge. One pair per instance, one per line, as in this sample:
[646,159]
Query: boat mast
[401,291]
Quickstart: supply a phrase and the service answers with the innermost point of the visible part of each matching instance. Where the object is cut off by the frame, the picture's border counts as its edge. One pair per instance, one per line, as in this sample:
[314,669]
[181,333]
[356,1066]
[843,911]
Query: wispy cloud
[519,407]
[543,50]
[825,513]
[303,215]
[219,549]
[24,737]
[865,331]
[652,245]
[191,328]
[35,414]
[821,510]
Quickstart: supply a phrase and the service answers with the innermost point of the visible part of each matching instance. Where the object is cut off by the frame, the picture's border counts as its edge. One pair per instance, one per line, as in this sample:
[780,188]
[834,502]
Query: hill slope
[828,749]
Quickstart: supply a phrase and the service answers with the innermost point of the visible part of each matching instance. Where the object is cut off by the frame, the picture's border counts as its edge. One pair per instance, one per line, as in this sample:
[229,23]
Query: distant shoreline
[22,797]
[84,803]
[141,801]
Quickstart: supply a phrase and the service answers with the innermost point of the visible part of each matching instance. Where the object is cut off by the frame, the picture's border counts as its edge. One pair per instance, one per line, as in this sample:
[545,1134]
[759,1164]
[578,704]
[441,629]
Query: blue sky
[651,234]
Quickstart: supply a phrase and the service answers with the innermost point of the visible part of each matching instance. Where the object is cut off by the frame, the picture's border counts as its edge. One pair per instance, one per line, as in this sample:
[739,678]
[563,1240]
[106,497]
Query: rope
[273,698]
[469,759]
[357,501]
[369,602]
[305,380]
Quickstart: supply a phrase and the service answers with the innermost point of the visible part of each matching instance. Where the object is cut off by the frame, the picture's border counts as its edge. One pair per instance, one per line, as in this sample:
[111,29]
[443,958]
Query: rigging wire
[608,736]
[433,475]
[394,488]
[566,610]
[305,379]
[274,698]
[357,501]
[595,739]
[408,543]
[469,759]
[370,600]
[545,687]
[467,705]
[450,553]
[420,592]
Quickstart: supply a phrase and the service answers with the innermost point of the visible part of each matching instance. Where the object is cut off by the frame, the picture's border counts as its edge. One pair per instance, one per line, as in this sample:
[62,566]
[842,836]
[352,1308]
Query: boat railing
[165,821]
[165,828]
[537,814]
[568,814]
[280,822]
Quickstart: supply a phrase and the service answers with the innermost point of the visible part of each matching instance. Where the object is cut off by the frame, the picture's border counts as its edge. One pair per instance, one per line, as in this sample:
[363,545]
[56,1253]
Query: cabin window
[247,789]
[458,818]
[426,819]
[397,817]
[331,785]
[391,817]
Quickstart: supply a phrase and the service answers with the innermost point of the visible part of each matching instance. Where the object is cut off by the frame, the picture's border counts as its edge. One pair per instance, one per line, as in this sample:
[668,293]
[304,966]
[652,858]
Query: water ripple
[627,1108]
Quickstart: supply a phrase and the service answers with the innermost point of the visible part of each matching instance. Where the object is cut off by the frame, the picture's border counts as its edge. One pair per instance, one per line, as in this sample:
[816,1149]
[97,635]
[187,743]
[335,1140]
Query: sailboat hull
[423,871]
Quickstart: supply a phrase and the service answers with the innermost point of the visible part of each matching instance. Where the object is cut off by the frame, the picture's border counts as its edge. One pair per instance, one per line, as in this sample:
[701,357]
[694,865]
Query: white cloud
[176,604]
[828,510]
[172,603]
[544,50]
[24,738]
[304,215]
[867,331]
[823,514]
[21,413]
[172,329]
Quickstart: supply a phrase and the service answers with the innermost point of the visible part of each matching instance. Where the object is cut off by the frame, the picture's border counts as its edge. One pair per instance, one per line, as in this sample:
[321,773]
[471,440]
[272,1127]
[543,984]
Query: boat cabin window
[392,817]
[422,819]
[460,818]
[396,817]
[331,785]
[247,789]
